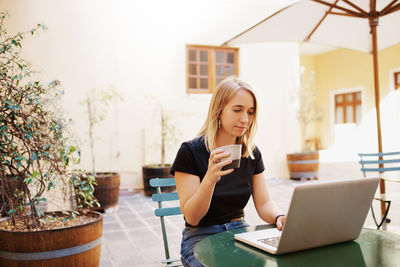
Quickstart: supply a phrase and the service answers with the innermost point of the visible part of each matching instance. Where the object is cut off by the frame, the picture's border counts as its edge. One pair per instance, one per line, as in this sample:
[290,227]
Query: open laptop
[320,214]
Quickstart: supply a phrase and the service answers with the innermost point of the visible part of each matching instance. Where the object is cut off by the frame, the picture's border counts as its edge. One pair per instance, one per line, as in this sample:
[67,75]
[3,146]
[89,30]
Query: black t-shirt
[232,191]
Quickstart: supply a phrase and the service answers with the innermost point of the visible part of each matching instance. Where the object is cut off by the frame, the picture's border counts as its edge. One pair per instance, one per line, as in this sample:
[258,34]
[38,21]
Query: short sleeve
[259,161]
[184,161]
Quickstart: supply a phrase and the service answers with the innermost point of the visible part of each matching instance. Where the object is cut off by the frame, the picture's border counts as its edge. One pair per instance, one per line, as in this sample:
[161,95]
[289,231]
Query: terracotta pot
[77,246]
[303,165]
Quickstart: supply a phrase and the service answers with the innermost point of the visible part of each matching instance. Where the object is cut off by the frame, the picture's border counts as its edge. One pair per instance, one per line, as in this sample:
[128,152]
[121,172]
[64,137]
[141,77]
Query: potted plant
[37,158]
[306,163]
[168,136]
[107,188]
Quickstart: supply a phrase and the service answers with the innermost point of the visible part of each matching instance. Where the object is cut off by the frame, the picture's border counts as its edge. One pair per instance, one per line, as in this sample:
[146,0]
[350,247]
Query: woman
[212,199]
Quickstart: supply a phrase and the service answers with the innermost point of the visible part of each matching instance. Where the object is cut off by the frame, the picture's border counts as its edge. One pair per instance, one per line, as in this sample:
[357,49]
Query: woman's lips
[242,128]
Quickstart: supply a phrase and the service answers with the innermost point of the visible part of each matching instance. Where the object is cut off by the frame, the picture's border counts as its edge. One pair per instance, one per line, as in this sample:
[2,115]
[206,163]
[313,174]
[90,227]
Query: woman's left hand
[280,222]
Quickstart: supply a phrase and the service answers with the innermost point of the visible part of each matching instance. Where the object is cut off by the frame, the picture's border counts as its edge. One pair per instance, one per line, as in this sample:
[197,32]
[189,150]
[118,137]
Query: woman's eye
[236,110]
[250,112]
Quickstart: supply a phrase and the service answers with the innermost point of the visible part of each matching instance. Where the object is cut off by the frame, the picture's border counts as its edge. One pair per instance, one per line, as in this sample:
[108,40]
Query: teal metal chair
[380,163]
[161,212]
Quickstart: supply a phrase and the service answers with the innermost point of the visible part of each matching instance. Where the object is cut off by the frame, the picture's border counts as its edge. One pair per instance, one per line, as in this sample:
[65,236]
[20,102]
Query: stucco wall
[341,70]
[139,48]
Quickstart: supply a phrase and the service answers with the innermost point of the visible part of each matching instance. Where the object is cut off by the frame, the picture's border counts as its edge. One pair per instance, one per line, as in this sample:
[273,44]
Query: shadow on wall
[351,139]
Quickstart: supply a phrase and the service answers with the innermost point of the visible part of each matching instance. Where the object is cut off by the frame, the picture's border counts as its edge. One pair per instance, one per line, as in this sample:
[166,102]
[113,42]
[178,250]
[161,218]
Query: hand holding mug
[218,159]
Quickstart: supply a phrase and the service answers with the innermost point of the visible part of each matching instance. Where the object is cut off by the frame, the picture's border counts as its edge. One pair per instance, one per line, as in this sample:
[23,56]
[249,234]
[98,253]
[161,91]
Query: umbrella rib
[357,7]
[351,12]
[321,20]
[387,8]
[340,14]
[240,34]
[393,9]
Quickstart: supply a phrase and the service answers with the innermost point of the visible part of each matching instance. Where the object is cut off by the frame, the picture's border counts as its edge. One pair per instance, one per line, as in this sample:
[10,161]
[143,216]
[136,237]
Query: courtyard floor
[132,233]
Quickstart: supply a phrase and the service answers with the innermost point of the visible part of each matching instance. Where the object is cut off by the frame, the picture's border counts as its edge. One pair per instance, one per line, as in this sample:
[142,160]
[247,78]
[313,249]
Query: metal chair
[378,161]
[160,197]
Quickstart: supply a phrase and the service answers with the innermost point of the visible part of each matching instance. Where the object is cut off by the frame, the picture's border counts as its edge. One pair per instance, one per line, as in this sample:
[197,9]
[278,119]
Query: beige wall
[307,65]
[139,47]
[342,70]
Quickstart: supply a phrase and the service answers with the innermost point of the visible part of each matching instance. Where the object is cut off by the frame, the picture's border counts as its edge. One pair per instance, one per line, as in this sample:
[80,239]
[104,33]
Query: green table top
[372,248]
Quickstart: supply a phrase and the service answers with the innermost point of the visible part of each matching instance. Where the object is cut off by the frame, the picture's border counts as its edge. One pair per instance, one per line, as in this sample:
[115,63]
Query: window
[348,108]
[396,80]
[206,66]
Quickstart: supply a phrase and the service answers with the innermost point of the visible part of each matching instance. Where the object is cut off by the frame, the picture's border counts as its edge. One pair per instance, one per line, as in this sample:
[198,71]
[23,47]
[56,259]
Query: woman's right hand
[215,165]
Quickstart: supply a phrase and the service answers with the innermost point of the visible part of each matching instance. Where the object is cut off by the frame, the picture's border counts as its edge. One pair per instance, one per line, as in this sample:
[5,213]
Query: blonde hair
[223,93]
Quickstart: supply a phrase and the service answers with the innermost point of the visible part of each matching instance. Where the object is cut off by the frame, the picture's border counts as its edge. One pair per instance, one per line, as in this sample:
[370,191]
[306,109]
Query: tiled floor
[132,235]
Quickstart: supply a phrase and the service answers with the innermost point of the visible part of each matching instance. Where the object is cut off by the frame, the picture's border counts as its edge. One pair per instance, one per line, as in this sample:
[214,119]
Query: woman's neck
[224,139]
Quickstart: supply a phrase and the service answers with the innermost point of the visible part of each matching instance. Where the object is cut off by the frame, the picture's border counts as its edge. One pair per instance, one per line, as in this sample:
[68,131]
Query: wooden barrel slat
[55,239]
[51,254]
[303,165]
[306,156]
[107,189]
[90,258]
[150,172]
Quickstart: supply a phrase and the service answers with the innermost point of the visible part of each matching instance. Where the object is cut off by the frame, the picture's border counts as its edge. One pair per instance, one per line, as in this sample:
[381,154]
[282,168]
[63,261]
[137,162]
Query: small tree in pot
[107,190]
[306,163]
[37,157]
[168,136]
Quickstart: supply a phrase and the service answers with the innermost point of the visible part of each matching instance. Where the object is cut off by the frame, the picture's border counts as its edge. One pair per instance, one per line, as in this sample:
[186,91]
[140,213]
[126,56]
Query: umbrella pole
[374,24]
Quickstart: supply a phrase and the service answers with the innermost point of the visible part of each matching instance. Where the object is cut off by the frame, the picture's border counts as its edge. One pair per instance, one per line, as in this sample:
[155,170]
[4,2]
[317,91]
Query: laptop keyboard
[272,241]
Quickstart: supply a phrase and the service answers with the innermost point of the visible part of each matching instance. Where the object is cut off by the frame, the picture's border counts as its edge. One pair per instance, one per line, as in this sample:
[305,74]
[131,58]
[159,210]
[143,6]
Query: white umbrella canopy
[350,30]
[363,25]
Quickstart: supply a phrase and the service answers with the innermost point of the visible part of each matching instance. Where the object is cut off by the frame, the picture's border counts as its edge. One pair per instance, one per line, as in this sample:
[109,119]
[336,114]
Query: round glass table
[372,248]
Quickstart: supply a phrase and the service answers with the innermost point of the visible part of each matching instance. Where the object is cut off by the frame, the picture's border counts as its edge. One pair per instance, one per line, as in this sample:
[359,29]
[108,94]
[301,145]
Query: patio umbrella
[351,24]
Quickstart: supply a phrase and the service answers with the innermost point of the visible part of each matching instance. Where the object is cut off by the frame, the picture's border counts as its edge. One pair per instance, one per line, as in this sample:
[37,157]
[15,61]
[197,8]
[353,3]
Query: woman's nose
[244,117]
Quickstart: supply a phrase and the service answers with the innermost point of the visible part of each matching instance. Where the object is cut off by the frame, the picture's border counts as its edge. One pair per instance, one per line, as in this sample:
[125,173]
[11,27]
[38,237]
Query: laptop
[320,214]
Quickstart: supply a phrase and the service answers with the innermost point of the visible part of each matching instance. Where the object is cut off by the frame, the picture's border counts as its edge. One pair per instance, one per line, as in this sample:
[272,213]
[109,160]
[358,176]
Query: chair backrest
[161,197]
[379,162]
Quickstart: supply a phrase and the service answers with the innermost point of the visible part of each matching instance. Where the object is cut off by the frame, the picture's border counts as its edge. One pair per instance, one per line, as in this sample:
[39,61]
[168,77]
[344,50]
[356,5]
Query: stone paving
[132,235]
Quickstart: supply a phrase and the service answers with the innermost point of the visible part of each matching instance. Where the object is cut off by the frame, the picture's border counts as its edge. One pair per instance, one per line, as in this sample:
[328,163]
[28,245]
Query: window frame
[354,103]
[212,74]
[396,80]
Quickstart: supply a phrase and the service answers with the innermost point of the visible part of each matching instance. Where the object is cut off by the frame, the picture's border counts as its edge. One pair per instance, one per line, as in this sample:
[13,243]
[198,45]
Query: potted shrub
[305,164]
[107,188]
[37,157]
[162,169]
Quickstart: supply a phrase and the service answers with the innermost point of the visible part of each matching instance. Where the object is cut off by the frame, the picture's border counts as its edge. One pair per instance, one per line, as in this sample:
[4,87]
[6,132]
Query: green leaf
[11,211]
[39,212]
[43,221]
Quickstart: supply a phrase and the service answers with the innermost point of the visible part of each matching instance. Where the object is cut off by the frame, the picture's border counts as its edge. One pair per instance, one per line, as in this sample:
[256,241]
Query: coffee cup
[236,153]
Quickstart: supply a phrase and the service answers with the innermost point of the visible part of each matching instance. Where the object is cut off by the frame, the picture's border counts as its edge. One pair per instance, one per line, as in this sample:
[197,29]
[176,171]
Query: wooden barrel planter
[303,165]
[107,189]
[77,246]
[156,171]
